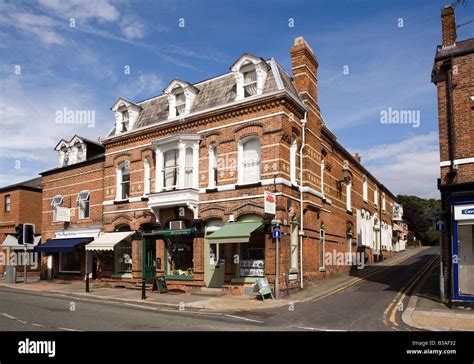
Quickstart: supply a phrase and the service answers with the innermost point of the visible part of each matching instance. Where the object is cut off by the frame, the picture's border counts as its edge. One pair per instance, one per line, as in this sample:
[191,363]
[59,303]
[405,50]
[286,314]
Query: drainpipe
[303,127]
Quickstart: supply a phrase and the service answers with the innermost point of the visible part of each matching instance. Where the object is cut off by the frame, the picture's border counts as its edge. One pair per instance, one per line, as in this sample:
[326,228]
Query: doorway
[215,265]
[465,242]
[149,259]
[214,259]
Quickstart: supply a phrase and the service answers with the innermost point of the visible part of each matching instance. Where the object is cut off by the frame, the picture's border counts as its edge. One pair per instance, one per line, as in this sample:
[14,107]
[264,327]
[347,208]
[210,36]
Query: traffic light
[19,233]
[25,233]
[28,233]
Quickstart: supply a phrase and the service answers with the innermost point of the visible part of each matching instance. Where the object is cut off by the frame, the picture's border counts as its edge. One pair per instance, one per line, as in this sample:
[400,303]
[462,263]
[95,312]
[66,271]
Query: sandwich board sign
[262,288]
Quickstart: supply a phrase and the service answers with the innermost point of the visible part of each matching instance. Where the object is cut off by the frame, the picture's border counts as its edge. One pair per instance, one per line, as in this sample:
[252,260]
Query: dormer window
[125,121]
[180,102]
[80,153]
[250,75]
[250,80]
[65,157]
[181,97]
[126,115]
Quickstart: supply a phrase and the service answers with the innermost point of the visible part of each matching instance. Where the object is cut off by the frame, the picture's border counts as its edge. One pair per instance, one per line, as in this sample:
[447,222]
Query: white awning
[107,241]
[11,242]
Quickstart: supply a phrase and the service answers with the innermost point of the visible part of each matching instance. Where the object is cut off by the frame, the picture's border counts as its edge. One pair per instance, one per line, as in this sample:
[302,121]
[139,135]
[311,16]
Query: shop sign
[63,214]
[269,203]
[464,212]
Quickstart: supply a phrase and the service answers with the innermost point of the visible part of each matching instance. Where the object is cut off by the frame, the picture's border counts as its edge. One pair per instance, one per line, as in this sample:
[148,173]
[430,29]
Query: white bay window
[177,161]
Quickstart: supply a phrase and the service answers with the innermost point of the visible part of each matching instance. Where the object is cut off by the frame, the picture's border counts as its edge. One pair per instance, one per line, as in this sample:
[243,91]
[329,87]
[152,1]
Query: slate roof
[214,92]
[34,183]
[461,47]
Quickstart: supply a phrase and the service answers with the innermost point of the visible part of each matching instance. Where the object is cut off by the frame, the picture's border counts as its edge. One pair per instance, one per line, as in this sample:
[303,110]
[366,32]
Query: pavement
[200,301]
[363,300]
[426,311]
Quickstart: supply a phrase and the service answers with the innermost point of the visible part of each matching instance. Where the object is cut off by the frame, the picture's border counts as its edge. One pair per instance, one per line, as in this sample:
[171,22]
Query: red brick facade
[286,121]
[453,75]
[25,207]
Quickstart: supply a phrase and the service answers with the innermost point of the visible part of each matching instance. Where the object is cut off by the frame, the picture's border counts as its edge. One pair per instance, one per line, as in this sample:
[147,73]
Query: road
[371,304]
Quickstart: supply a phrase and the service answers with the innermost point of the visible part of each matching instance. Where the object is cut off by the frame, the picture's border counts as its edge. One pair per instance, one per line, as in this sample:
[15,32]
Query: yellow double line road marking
[395,304]
[369,274]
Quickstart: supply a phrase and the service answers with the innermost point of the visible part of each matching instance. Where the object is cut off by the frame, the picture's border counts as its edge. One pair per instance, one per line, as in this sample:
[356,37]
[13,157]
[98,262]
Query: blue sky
[82,68]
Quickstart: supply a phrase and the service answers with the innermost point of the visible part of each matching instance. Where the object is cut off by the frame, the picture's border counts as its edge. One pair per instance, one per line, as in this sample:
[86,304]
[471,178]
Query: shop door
[466,258]
[215,265]
[149,259]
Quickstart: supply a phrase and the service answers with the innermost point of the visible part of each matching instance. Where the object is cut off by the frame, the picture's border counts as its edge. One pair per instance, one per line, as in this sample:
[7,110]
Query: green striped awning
[236,232]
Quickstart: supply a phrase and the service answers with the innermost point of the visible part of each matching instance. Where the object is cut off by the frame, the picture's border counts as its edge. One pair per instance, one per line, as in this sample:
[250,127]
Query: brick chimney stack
[305,70]
[358,157]
[448,26]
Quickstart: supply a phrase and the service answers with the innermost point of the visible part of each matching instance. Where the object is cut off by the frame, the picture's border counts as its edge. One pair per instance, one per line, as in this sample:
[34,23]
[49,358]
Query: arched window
[147,177]
[125,120]
[79,153]
[293,150]
[376,196]
[188,168]
[250,79]
[249,168]
[365,190]
[180,98]
[383,202]
[123,182]
[349,194]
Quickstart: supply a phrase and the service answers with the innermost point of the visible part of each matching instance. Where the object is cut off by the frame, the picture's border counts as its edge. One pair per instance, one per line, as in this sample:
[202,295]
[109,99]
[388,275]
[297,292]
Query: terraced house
[185,174]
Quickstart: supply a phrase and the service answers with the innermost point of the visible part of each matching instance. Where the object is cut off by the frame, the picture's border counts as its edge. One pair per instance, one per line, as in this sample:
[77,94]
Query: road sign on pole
[440,225]
[276,232]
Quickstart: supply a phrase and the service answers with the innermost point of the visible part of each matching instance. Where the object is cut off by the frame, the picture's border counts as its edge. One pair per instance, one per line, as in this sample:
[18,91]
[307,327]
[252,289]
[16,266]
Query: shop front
[65,255]
[463,251]
[110,256]
[170,252]
[235,253]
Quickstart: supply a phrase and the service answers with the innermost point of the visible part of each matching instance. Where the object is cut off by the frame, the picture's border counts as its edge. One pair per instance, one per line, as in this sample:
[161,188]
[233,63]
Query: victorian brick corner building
[453,75]
[184,176]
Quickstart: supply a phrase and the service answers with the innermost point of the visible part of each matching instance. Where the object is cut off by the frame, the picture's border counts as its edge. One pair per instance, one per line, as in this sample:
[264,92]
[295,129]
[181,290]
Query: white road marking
[190,311]
[244,318]
[316,329]
[39,325]
[9,316]
[66,329]
[21,321]
[140,306]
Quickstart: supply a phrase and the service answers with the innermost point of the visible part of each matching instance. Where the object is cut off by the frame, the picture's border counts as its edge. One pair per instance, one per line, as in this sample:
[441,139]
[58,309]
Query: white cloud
[98,9]
[410,166]
[28,128]
[144,85]
[132,27]
[42,26]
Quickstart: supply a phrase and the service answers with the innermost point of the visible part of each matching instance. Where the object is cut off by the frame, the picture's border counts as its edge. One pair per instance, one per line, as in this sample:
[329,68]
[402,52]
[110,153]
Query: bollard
[143,290]
[87,283]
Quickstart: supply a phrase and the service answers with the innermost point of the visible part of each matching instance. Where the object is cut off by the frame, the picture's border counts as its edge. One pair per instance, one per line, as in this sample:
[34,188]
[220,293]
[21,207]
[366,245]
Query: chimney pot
[358,157]
[448,26]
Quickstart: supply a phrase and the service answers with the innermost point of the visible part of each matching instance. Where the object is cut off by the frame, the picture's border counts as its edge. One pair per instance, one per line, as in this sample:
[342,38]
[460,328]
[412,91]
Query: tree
[420,215]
